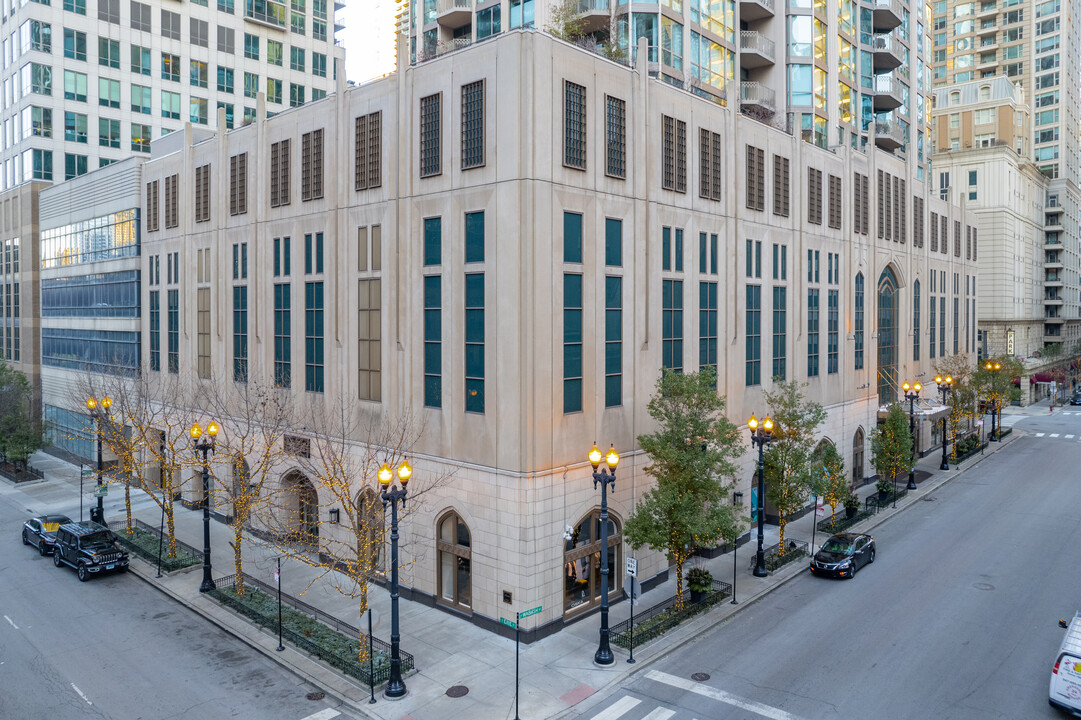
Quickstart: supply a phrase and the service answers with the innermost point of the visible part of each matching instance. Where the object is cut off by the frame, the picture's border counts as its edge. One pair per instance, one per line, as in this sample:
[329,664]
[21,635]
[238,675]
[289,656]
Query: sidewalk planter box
[842,523]
[144,540]
[653,622]
[962,456]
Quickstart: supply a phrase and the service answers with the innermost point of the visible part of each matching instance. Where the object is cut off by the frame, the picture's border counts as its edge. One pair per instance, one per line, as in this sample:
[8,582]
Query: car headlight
[844,564]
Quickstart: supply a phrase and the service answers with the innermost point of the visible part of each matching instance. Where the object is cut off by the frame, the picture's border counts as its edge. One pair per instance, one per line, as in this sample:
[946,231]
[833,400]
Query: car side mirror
[1063,624]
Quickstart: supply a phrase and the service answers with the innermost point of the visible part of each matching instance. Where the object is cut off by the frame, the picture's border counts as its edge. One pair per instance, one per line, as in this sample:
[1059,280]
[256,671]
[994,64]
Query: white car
[1066,675]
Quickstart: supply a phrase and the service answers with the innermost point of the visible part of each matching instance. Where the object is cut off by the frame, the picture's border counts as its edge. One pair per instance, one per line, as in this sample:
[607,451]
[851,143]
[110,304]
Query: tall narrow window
[572,343]
[279,173]
[283,335]
[613,341]
[615,131]
[473,125]
[152,206]
[572,237]
[172,218]
[834,217]
[707,325]
[313,336]
[369,141]
[956,325]
[430,135]
[857,324]
[812,332]
[238,184]
[756,178]
[672,324]
[433,341]
[203,344]
[369,323]
[709,163]
[574,125]
[174,331]
[155,330]
[433,241]
[202,193]
[240,333]
[916,321]
[754,335]
[887,338]
[780,320]
[474,237]
[474,342]
[674,154]
[832,330]
[311,165]
[931,318]
[814,196]
[781,182]
[942,325]
[613,242]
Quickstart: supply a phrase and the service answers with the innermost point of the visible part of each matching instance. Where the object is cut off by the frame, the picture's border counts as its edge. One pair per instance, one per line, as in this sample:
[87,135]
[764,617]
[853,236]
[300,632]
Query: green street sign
[88,472]
[102,491]
[508,623]
[532,611]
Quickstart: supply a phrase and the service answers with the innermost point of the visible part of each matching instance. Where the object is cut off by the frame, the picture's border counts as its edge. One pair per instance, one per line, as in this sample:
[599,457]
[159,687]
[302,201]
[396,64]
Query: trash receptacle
[97,515]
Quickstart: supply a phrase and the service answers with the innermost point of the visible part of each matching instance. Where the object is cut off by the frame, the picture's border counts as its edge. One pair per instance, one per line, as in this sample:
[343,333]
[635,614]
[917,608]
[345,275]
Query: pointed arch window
[887,337]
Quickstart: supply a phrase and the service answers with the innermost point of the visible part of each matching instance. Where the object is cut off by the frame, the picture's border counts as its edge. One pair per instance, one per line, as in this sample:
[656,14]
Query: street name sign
[508,623]
[531,611]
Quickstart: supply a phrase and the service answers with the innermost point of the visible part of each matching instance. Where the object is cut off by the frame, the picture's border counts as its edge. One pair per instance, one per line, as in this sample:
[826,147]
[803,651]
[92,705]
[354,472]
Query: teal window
[43,165]
[296,59]
[251,85]
[887,338]
[832,329]
[319,29]
[41,36]
[170,105]
[780,320]
[108,93]
[318,94]
[916,321]
[613,341]
[313,253]
[707,325]
[572,237]
[75,127]
[74,86]
[240,334]
[74,44]
[857,324]
[488,22]
[140,137]
[281,257]
[275,52]
[672,325]
[474,237]
[296,95]
[173,319]
[521,13]
[274,90]
[155,330]
[251,46]
[75,6]
[433,341]
[74,166]
[812,332]
[313,337]
[613,242]
[433,241]
[109,53]
[198,73]
[108,133]
[753,358]
[474,342]
[39,121]
[283,352]
[226,6]
[572,343]
[170,67]
[38,78]
[228,113]
[319,64]
[225,79]
[198,110]
[140,60]
[666,248]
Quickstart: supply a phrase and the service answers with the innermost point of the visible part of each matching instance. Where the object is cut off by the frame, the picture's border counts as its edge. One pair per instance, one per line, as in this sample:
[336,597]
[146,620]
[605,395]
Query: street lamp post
[761,435]
[945,385]
[993,368]
[392,495]
[99,414]
[205,447]
[603,656]
[912,394]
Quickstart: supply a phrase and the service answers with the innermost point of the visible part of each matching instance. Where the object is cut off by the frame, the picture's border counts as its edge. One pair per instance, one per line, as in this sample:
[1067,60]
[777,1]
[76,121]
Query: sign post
[278,582]
[516,624]
[632,572]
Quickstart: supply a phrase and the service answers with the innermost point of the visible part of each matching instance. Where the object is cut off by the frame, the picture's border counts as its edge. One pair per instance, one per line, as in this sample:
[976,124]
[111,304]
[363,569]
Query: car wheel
[84,574]
[855,565]
[26,540]
[43,549]
[56,559]
[871,558]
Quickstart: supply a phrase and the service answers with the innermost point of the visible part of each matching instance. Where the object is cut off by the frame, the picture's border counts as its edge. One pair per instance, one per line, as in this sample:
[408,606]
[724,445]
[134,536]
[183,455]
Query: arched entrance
[454,543]
[887,337]
[857,457]
[582,563]
[301,508]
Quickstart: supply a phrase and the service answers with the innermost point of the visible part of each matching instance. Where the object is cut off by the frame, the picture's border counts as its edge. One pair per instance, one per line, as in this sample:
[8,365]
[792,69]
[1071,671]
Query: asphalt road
[957,617]
[116,648]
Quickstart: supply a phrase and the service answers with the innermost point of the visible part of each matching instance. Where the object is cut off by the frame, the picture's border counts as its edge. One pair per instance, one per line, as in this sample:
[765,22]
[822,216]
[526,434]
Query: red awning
[1041,377]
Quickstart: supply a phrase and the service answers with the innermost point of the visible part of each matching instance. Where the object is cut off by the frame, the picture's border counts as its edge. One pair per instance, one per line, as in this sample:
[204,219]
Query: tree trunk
[170,525]
[127,505]
[362,640]
[781,522]
[679,558]
[238,563]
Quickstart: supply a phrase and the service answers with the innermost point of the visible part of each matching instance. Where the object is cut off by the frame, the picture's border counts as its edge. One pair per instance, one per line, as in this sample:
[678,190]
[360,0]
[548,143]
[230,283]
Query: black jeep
[89,548]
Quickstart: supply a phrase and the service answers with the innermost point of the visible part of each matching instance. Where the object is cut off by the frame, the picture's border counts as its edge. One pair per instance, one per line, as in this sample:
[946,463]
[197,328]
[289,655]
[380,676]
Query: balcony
[755,49]
[889,135]
[887,94]
[593,14]
[1055,301]
[1053,263]
[987,9]
[755,9]
[454,13]
[886,53]
[1052,222]
[886,15]
[757,95]
[268,13]
[1053,279]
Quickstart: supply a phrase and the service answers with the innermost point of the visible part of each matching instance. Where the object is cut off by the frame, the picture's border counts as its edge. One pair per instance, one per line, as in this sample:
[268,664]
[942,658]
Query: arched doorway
[582,563]
[301,507]
[887,337]
[857,457]
[454,546]
[369,530]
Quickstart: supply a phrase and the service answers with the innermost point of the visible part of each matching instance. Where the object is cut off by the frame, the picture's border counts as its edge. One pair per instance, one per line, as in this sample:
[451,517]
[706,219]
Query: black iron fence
[653,622]
[878,501]
[841,521]
[794,550]
[344,656]
[145,541]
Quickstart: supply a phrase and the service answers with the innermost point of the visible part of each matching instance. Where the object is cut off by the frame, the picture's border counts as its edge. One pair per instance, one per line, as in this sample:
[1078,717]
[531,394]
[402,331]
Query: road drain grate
[317,695]
[700,677]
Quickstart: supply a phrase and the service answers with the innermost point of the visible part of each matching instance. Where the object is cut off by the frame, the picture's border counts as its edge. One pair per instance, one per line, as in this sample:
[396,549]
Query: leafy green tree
[789,464]
[832,482]
[692,454]
[21,434]
[891,447]
[995,386]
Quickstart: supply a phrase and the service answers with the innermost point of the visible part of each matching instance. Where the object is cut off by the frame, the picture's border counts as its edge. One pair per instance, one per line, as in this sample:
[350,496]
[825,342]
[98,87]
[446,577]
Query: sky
[368,38]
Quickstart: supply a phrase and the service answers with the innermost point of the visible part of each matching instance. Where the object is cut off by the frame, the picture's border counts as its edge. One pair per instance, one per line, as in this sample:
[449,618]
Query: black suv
[89,548]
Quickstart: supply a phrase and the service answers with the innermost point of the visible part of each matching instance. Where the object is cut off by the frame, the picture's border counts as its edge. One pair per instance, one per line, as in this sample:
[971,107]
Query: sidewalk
[557,673]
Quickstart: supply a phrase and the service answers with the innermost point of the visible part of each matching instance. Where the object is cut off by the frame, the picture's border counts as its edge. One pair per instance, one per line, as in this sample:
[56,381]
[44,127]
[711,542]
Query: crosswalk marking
[614,711]
[1069,437]
[1054,434]
[660,714]
[324,714]
[690,685]
[1040,434]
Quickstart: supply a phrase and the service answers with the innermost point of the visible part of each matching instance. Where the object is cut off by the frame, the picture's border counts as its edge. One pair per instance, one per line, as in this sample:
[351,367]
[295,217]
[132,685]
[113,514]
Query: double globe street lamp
[761,435]
[993,368]
[392,496]
[205,446]
[945,385]
[912,394]
[100,413]
[604,656]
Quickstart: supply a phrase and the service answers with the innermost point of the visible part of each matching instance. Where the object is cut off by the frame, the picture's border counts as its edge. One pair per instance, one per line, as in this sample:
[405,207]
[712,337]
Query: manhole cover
[317,695]
[700,677]
[983,586]
[456,691]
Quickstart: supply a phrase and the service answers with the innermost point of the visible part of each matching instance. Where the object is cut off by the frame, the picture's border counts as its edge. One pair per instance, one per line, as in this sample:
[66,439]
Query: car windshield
[836,545]
[98,539]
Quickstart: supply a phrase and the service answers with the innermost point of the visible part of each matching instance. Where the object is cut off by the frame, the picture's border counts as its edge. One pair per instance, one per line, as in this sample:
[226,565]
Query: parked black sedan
[1075,399]
[41,532]
[843,554]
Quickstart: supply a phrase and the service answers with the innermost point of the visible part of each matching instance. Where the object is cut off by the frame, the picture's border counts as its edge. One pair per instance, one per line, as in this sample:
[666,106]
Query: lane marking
[325,714]
[617,710]
[660,714]
[11,622]
[84,697]
[751,706]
